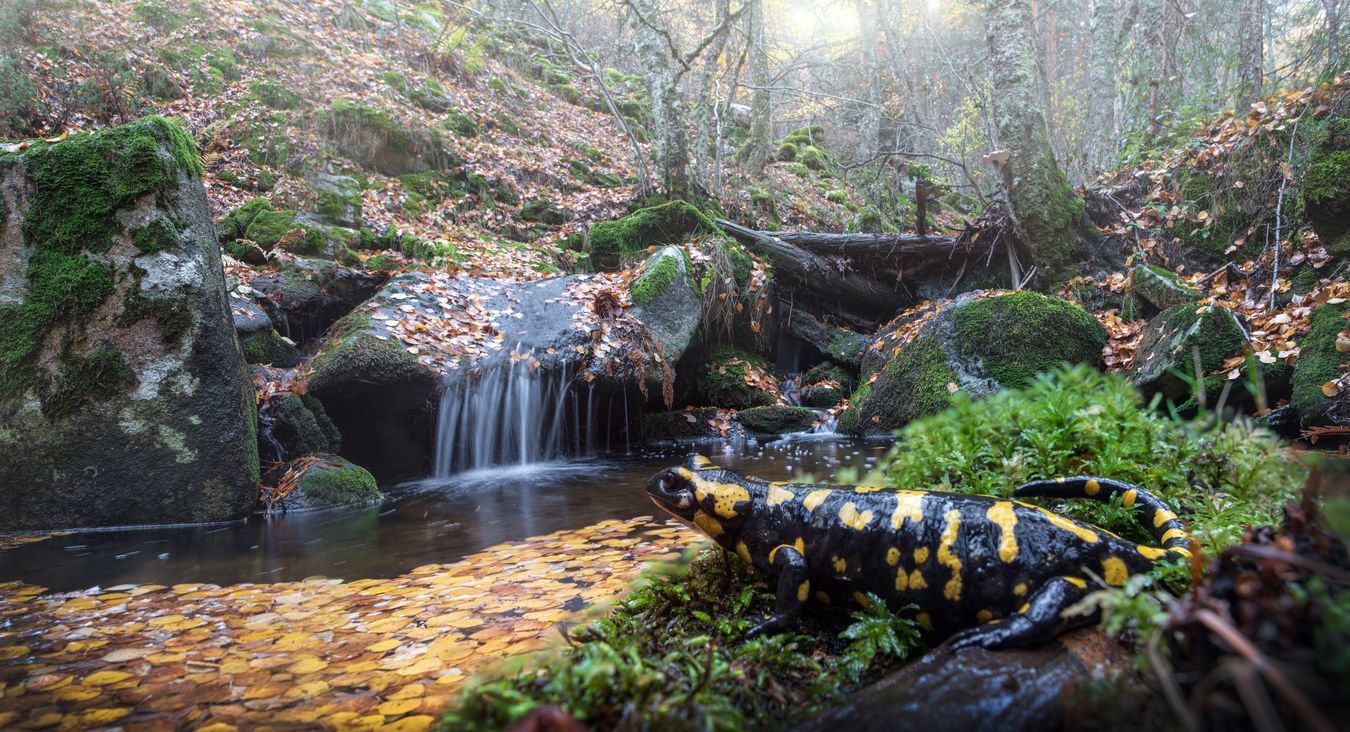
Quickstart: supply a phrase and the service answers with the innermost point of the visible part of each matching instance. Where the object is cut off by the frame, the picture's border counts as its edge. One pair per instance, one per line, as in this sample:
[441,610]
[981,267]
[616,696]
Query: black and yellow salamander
[999,571]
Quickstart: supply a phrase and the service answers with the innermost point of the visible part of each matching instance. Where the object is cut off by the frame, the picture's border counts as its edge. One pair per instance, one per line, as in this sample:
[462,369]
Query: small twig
[1279,204]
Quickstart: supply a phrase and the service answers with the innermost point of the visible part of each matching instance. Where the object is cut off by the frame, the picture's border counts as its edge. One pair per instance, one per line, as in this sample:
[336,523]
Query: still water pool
[425,522]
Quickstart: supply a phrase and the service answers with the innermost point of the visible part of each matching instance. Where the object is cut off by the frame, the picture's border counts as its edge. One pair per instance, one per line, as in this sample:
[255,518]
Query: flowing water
[431,521]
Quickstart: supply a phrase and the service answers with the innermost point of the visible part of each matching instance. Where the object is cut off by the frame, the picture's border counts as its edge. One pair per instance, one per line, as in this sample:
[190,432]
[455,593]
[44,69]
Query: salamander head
[702,496]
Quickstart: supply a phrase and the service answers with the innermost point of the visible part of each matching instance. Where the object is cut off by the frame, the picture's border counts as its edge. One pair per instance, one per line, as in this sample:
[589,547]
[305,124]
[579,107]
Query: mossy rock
[1167,353]
[722,380]
[1319,362]
[273,94]
[813,157]
[1020,335]
[339,198]
[269,226]
[667,223]
[777,420]
[803,136]
[300,425]
[837,197]
[372,138]
[461,124]
[822,396]
[1161,288]
[831,371]
[1325,194]
[545,212]
[689,424]
[870,220]
[787,152]
[330,483]
[916,383]
[234,225]
[268,347]
[668,305]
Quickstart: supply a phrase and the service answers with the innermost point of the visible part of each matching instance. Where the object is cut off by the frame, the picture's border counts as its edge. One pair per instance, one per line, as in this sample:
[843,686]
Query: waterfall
[509,415]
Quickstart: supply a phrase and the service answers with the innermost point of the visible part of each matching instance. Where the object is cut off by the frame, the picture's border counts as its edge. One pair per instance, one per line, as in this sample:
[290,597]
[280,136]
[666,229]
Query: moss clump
[81,380]
[870,220]
[821,396]
[722,382]
[266,347]
[156,236]
[272,94]
[787,152]
[777,420]
[1318,362]
[813,158]
[837,196]
[914,384]
[461,124]
[371,137]
[663,273]
[1174,338]
[1023,334]
[235,224]
[1161,287]
[542,211]
[336,482]
[174,317]
[1077,421]
[81,182]
[268,226]
[829,371]
[667,223]
[1325,194]
[803,136]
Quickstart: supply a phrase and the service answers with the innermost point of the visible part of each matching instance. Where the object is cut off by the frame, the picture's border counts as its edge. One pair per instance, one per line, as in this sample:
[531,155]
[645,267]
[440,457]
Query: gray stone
[332,482]
[1172,342]
[777,420]
[339,199]
[136,407]
[668,306]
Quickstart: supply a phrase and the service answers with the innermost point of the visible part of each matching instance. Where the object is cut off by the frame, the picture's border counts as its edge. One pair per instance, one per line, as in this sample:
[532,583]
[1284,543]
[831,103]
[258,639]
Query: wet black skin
[962,571]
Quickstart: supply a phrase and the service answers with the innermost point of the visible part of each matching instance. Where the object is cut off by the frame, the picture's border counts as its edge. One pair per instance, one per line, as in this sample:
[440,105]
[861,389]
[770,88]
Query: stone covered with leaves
[123,394]
[1180,340]
[611,242]
[727,380]
[976,345]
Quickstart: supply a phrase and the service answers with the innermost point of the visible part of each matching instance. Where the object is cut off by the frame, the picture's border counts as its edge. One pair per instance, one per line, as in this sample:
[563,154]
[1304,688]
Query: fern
[878,631]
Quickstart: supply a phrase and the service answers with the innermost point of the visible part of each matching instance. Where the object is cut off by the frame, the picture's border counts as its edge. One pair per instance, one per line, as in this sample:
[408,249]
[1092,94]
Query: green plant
[878,630]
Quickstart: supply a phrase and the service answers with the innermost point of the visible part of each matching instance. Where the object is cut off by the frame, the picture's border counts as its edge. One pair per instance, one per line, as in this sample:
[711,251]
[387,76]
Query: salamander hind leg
[1036,622]
[793,589]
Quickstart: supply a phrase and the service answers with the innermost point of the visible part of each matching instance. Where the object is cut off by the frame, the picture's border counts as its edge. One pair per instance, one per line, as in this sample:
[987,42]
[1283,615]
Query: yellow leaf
[399,707]
[1329,389]
[94,717]
[103,678]
[308,665]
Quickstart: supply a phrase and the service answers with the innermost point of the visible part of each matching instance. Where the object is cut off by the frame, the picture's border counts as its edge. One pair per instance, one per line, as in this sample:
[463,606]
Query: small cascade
[511,414]
[829,421]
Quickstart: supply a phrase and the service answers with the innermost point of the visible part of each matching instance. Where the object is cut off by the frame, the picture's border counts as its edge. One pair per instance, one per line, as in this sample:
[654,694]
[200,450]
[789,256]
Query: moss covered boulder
[1161,288]
[840,344]
[723,380]
[1178,339]
[1325,188]
[976,345]
[777,420]
[306,295]
[667,304]
[338,199]
[292,425]
[124,397]
[692,423]
[332,482]
[372,138]
[260,342]
[1323,358]
[612,242]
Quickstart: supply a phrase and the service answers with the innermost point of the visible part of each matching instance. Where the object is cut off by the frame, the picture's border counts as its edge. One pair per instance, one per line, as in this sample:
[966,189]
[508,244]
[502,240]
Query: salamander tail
[1155,516]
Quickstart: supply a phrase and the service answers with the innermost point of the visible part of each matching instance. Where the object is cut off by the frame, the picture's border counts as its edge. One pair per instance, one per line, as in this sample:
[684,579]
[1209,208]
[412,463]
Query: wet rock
[339,199]
[976,345]
[821,396]
[332,482]
[667,304]
[777,420]
[689,424]
[291,426]
[723,380]
[840,344]
[1172,341]
[124,397]
[977,689]
[1161,288]
[258,339]
[306,295]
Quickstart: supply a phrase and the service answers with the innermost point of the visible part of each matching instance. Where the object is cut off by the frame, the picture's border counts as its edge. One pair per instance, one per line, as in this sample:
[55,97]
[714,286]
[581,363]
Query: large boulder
[1324,354]
[777,420]
[124,397]
[975,344]
[304,296]
[374,139]
[612,242]
[665,301]
[1171,343]
[840,344]
[735,379]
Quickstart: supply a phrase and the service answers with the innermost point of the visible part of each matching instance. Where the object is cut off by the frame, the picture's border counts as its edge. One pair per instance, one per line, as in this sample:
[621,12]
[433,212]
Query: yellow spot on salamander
[701,461]
[800,546]
[984,616]
[724,496]
[908,505]
[892,556]
[1127,499]
[1173,534]
[779,495]
[1162,516]
[1114,571]
[804,591]
[916,581]
[1002,515]
[1020,589]
[867,488]
[686,473]
[822,597]
[920,555]
[1078,582]
[947,557]
[901,580]
[861,599]
[1025,607]
[1091,487]
[815,498]
[1180,551]
[849,516]
[924,621]
[1077,529]
[708,525]
[839,564]
[744,552]
[1149,552]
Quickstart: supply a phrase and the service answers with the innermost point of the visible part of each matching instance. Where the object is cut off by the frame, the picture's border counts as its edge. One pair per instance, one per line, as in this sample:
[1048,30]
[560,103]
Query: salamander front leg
[793,589]
[1038,621]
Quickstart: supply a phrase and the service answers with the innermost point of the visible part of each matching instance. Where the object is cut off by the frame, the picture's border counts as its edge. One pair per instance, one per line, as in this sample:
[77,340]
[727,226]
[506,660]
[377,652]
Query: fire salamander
[1000,571]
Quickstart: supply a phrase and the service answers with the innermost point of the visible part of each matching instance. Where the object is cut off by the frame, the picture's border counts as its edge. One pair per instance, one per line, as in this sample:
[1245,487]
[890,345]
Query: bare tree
[757,148]
[1251,47]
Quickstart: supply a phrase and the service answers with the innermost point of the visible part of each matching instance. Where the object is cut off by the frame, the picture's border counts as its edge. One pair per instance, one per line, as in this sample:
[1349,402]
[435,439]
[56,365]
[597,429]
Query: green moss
[870,220]
[395,79]
[802,136]
[174,316]
[777,420]
[81,182]
[722,380]
[813,158]
[1318,362]
[543,211]
[787,152]
[268,226]
[497,85]
[837,196]
[668,223]
[461,124]
[912,385]
[156,236]
[337,484]
[847,347]
[1023,334]
[1325,196]
[273,94]
[660,276]
[81,380]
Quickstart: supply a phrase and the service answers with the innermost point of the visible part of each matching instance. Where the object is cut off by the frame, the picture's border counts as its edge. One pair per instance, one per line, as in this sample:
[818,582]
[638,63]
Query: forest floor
[361,655]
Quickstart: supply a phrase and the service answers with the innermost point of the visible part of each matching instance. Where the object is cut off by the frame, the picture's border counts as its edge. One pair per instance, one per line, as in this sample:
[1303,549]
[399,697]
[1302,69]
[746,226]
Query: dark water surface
[428,522]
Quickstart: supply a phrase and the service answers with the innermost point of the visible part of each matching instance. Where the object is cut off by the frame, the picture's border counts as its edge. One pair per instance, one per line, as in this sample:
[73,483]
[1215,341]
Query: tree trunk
[1047,214]
[869,135]
[1333,12]
[758,147]
[668,119]
[706,148]
[1251,27]
[1100,146]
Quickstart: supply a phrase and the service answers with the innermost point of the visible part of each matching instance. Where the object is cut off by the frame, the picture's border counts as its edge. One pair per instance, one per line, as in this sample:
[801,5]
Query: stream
[437,520]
